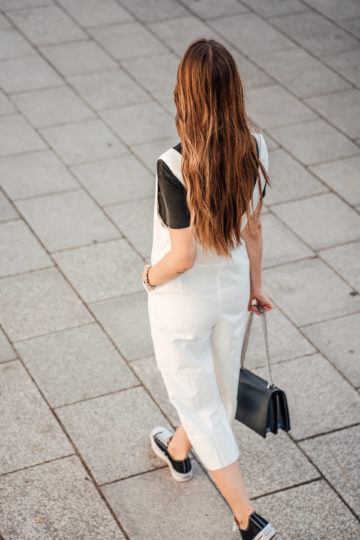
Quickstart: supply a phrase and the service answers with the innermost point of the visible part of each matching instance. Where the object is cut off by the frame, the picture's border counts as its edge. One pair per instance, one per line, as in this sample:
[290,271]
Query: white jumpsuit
[197,323]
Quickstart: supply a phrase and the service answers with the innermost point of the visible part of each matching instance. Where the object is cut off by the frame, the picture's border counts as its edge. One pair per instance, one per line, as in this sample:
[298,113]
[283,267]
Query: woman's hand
[261,298]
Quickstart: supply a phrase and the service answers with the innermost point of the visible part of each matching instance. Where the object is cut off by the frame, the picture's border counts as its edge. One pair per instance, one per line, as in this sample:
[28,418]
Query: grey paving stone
[77,57]
[346,10]
[20,250]
[37,173]
[301,289]
[251,75]
[148,372]
[52,106]
[112,433]
[280,244]
[289,179]
[7,211]
[108,89]
[165,99]
[149,152]
[8,5]
[126,217]
[285,341]
[307,502]
[339,340]
[308,215]
[45,25]
[209,519]
[17,136]
[244,31]
[342,176]
[314,142]
[158,10]
[39,302]
[270,464]
[319,398]
[345,260]
[180,32]
[301,73]
[271,8]
[6,107]
[339,109]
[116,180]
[67,220]
[347,64]
[120,317]
[75,364]
[272,106]
[84,141]
[315,33]
[55,500]
[30,73]
[4,23]
[22,407]
[336,456]
[206,9]
[127,40]
[155,122]
[93,13]
[353,26]
[270,142]
[103,270]
[13,45]
[6,350]
[156,72]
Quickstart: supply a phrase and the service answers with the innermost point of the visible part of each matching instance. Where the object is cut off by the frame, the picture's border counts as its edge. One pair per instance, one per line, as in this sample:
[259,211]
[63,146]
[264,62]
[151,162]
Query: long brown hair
[220,163]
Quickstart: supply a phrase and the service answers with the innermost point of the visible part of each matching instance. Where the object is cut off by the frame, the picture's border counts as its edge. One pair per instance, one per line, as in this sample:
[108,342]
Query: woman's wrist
[255,284]
[147,283]
[149,277]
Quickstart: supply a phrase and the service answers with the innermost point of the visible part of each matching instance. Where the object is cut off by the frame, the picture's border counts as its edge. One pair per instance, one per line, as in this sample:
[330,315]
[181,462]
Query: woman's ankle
[243,521]
[175,452]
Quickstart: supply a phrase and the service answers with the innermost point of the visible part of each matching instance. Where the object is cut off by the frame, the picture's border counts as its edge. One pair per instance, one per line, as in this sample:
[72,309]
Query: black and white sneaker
[181,469]
[258,528]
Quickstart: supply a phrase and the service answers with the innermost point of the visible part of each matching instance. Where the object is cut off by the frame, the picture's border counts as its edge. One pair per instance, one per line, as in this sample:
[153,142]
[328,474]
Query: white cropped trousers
[197,323]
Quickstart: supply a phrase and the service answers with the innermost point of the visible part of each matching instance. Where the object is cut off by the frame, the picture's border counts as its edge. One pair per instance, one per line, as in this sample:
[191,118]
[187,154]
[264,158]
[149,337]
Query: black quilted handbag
[261,405]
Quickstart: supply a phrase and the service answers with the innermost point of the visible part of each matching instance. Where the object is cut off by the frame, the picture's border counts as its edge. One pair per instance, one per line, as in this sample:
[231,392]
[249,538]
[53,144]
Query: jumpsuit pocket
[172,286]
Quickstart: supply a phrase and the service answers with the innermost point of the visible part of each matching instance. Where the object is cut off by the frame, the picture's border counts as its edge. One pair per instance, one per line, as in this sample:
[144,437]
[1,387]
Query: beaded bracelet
[146,280]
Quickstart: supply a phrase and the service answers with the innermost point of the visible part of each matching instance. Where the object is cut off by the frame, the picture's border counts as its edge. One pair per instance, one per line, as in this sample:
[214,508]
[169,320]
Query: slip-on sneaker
[258,528]
[180,469]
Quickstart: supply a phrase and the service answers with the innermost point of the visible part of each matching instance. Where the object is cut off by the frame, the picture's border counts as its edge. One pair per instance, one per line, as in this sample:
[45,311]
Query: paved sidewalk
[86,107]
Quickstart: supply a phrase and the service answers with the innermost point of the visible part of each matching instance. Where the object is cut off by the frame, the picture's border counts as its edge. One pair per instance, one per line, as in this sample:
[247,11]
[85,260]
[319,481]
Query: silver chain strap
[247,336]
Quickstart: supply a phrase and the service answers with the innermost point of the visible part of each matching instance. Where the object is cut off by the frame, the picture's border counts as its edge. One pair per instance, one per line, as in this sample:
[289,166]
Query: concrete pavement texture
[86,107]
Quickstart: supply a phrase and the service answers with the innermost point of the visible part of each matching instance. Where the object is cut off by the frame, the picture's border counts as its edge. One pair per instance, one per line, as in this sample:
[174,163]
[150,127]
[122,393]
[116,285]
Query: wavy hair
[220,162]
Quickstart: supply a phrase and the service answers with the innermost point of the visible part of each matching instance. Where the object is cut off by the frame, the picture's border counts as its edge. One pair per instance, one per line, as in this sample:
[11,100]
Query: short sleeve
[172,198]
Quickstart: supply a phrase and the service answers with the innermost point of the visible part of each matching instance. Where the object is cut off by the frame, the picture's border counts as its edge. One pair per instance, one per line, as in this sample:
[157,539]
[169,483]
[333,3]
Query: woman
[205,270]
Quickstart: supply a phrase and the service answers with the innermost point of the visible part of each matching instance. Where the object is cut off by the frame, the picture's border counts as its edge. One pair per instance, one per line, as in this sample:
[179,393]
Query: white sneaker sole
[267,533]
[176,475]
